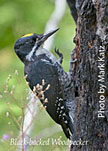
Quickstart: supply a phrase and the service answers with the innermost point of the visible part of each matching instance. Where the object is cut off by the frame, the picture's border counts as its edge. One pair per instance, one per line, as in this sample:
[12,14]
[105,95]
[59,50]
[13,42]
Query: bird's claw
[60,55]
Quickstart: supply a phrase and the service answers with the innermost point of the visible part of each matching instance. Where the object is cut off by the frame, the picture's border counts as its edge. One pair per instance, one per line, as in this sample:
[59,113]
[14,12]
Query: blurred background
[19,17]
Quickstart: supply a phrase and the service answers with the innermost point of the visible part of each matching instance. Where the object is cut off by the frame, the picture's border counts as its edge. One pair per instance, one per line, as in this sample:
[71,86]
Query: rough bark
[91,52]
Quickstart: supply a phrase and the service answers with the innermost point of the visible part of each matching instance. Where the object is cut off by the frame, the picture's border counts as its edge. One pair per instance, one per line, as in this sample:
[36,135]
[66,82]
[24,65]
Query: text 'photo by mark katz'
[101,81]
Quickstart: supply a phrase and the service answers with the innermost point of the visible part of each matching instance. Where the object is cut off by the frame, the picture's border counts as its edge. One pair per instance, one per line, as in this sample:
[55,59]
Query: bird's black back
[44,68]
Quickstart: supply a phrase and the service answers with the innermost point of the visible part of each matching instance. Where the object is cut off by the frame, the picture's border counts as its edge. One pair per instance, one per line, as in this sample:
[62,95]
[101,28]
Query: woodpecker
[42,64]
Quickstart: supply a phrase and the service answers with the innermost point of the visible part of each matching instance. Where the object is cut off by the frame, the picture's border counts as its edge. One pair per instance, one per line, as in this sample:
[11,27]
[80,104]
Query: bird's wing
[42,69]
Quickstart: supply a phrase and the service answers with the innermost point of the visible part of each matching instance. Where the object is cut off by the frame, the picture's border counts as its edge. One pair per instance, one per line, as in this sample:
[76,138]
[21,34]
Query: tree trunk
[90,74]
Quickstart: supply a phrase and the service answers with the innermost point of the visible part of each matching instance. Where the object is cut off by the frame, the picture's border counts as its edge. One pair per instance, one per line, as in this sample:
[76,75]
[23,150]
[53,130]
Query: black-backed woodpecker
[42,64]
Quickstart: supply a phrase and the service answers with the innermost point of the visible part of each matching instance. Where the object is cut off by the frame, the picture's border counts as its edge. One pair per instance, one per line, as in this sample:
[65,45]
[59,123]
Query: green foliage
[19,17]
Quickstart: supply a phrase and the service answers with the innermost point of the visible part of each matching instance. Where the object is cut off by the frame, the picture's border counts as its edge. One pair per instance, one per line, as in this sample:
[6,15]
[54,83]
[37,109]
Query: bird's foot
[60,55]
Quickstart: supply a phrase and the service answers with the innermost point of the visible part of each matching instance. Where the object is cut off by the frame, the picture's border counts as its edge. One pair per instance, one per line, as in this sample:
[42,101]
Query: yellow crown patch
[27,35]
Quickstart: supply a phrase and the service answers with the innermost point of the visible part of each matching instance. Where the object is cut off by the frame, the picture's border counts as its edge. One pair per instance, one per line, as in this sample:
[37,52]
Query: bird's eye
[35,39]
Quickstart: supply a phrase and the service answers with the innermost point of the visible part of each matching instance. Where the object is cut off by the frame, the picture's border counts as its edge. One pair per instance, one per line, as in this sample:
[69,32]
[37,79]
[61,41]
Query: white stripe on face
[29,56]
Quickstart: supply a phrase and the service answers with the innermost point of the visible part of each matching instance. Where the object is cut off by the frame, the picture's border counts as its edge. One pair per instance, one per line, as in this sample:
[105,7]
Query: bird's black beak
[44,37]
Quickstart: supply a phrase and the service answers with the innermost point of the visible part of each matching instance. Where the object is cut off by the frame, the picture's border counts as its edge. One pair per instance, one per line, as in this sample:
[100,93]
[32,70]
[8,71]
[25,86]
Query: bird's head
[26,46]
